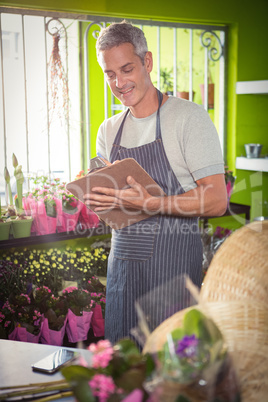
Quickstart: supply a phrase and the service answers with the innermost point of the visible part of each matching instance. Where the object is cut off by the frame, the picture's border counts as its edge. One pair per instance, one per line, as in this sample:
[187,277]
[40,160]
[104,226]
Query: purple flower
[187,346]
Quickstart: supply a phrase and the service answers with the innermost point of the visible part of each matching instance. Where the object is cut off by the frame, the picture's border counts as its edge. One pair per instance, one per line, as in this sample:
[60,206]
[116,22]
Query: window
[53,94]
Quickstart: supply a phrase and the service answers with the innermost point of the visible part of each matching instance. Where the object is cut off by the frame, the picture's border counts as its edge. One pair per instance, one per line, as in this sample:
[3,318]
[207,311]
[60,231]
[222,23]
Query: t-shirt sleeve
[202,149]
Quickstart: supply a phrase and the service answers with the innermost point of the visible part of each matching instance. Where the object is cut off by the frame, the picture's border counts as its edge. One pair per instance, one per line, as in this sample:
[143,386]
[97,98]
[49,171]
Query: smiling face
[128,78]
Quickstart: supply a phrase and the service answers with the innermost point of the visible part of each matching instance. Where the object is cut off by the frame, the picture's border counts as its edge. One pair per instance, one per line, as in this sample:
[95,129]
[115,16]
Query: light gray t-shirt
[189,137]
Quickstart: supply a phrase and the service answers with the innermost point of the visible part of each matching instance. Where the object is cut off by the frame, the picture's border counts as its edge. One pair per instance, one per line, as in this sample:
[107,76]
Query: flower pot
[21,334]
[97,321]
[77,327]
[210,95]
[50,336]
[4,230]
[87,218]
[22,227]
[184,95]
[67,221]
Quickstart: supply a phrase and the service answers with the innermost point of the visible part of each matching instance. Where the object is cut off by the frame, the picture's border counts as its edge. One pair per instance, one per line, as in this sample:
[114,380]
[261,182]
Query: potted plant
[87,218]
[98,295]
[183,81]
[4,226]
[41,202]
[79,313]
[166,83]
[54,315]
[21,223]
[26,319]
[211,42]
[69,207]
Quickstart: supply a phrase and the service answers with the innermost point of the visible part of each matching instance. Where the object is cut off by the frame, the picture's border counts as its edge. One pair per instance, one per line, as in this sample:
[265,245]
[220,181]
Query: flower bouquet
[116,373]
[194,364]
[79,313]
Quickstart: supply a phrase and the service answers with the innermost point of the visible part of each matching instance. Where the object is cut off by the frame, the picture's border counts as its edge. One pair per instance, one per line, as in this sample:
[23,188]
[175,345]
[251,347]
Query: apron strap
[158,126]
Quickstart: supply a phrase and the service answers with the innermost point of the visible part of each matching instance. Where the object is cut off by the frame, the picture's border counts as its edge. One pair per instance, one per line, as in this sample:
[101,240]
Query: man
[176,142]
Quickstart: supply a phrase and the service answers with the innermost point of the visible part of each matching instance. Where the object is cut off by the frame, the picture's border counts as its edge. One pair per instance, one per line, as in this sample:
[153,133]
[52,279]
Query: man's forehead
[118,56]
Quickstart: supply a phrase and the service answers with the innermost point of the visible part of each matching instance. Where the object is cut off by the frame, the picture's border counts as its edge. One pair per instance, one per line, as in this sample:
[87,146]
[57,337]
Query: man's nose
[119,81]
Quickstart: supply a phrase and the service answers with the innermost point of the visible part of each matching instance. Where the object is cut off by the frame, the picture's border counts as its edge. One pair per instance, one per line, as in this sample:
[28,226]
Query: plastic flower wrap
[194,364]
[191,357]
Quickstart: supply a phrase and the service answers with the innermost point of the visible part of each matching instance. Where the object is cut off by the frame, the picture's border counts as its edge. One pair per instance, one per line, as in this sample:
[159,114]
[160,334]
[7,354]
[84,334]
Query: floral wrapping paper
[63,222]
[51,337]
[21,334]
[77,327]
[97,321]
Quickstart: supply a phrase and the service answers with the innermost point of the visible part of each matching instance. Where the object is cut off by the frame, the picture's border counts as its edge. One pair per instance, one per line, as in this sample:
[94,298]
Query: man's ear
[148,61]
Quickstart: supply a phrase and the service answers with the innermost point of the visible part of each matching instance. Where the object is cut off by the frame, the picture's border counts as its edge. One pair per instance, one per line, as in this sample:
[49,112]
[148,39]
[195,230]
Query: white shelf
[256,164]
[252,87]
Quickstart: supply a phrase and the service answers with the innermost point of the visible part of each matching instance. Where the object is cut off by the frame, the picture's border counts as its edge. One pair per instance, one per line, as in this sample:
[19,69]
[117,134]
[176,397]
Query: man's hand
[134,197]
[209,198]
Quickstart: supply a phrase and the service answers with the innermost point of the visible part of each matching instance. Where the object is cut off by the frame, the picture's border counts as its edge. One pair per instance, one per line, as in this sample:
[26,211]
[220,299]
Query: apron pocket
[135,242]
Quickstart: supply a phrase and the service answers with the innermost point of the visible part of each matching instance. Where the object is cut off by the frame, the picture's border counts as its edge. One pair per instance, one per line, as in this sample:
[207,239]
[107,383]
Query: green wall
[247,117]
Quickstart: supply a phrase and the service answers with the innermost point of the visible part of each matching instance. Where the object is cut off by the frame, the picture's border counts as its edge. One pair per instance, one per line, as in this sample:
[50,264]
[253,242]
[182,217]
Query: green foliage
[128,369]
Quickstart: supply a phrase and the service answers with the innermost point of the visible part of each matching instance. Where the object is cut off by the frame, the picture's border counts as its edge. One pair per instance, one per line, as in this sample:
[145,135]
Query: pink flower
[69,289]
[102,353]
[26,297]
[102,386]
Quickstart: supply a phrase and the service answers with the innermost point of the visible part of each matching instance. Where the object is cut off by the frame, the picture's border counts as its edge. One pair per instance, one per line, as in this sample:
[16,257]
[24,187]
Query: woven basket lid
[238,270]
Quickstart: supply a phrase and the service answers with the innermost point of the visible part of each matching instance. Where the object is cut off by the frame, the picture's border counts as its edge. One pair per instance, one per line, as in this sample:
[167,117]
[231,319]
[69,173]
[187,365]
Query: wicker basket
[239,268]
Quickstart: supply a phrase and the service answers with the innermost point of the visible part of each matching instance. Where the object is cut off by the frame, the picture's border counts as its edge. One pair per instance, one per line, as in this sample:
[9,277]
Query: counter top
[16,360]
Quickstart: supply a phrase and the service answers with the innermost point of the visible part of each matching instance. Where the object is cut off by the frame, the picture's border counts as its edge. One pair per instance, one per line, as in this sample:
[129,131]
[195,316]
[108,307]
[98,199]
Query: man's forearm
[204,200]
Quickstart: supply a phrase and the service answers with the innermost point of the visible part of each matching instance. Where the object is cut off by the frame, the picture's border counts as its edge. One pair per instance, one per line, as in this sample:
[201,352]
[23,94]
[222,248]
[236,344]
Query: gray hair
[118,33]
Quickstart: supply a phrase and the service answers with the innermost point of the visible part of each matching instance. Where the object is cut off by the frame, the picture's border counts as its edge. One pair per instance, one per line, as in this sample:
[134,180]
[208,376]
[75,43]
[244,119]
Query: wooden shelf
[256,164]
[102,229]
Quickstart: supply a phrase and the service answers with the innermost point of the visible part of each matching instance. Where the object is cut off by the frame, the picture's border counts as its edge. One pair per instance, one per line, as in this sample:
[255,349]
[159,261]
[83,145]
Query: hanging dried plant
[59,93]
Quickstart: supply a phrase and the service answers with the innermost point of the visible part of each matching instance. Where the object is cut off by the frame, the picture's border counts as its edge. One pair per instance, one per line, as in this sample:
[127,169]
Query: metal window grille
[51,132]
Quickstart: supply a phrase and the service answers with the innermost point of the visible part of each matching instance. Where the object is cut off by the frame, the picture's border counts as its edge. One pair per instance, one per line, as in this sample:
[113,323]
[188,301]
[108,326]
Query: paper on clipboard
[114,176]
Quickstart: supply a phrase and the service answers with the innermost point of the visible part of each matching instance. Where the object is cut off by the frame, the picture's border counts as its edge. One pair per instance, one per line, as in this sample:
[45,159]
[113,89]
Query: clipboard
[114,176]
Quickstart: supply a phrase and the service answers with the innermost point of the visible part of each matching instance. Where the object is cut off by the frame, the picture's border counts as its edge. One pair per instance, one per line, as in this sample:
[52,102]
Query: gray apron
[152,252]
